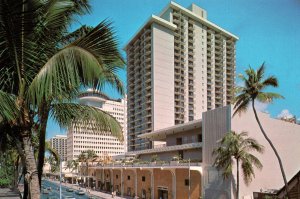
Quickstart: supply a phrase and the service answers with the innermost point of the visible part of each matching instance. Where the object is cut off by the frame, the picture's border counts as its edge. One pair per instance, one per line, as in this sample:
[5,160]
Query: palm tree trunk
[16,172]
[274,149]
[31,175]
[25,193]
[42,140]
[237,179]
[87,172]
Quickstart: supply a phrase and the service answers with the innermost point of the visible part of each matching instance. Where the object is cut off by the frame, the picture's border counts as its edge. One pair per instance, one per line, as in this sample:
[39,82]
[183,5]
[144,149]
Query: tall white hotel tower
[84,138]
[179,65]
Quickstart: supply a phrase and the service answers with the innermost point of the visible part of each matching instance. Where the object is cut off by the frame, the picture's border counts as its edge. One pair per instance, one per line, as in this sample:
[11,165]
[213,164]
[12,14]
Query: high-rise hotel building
[179,65]
[86,138]
[59,143]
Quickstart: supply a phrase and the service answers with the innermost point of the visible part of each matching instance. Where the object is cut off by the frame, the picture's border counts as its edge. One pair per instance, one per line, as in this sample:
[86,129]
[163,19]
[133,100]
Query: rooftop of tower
[192,12]
[96,93]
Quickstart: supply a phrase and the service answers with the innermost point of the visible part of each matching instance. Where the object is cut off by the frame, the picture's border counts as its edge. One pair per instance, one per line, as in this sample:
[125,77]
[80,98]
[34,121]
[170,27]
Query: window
[117,176]
[186,182]
[143,178]
[178,141]
[199,138]
[128,177]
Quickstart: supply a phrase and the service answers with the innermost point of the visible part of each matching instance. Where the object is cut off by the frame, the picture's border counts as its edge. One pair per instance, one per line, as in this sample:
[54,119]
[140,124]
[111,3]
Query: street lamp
[60,176]
[189,178]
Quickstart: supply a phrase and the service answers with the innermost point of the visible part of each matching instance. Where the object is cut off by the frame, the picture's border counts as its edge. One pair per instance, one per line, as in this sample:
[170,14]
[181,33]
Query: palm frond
[73,36]
[8,107]
[68,114]
[237,146]
[268,97]
[241,105]
[270,81]
[260,72]
[52,151]
[92,58]
[252,89]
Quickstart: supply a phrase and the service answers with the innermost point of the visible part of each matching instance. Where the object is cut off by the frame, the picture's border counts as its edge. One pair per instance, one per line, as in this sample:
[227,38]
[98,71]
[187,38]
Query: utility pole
[60,176]
[189,178]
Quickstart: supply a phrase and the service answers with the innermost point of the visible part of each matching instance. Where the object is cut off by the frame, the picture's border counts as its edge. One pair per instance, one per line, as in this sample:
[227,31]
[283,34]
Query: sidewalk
[6,193]
[94,193]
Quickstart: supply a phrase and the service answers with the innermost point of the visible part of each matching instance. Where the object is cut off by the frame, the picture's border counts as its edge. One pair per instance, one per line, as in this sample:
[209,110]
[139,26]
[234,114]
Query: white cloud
[262,107]
[285,114]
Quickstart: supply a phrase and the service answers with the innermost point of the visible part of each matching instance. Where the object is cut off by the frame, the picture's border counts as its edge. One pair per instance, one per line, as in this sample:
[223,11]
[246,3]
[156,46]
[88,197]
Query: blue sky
[269,31]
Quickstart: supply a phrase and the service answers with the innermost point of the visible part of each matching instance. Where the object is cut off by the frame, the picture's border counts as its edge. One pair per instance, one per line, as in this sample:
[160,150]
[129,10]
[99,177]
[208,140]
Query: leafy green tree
[75,164]
[234,146]
[7,168]
[254,89]
[69,165]
[43,68]
[87,156]
[54,164]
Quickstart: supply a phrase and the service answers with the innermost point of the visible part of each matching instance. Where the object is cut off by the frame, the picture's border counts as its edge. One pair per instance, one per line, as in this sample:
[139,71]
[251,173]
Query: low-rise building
[178,160]
[185,158]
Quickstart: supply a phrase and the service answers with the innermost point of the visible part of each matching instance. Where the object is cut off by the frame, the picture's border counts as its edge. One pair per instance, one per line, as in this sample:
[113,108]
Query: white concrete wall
[167,15]
[163,77]
[215,124]
[200,68]
[285,137]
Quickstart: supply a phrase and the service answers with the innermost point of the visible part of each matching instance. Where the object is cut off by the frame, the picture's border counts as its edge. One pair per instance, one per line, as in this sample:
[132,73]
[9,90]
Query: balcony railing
[171,148]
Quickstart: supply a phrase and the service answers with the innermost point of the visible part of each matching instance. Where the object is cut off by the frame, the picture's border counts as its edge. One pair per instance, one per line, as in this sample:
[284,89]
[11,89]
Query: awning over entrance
[70,175]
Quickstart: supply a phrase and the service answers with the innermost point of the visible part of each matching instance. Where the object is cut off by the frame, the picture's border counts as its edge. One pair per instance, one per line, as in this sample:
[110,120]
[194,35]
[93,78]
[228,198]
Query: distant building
[59,143]
[179,65]
[85,138]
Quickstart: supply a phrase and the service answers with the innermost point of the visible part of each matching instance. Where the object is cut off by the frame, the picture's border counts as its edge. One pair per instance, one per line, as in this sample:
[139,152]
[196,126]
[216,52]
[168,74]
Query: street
[54,192]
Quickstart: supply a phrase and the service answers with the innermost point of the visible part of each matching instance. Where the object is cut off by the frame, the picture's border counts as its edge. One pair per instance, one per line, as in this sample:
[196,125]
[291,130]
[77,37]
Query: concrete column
[112,178]
[135,182]
[102,176]
[152,183]
[173,183]
[122,183]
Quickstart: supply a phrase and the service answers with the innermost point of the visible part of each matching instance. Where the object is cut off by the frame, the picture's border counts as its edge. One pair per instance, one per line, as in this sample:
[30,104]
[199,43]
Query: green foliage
[176,158]
[44,67]
[7,161]
[154,158]
[254,88]
[238,147]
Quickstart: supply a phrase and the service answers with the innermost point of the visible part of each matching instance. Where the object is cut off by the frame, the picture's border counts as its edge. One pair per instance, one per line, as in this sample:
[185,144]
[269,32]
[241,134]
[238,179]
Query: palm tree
[253,90]
[237,146]
[75,164]
[87,156]
[42,69]
[69,165]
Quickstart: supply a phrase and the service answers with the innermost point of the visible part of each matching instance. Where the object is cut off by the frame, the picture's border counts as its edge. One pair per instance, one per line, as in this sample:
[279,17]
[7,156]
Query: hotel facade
[87,138]
[179,65]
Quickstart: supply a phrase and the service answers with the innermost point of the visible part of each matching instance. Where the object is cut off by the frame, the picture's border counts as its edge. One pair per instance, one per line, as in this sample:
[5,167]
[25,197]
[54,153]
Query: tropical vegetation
[43,67]
[254,89]
[238,147]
